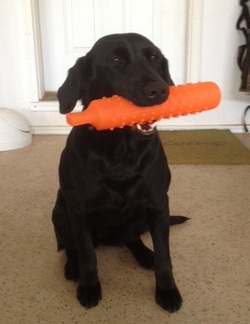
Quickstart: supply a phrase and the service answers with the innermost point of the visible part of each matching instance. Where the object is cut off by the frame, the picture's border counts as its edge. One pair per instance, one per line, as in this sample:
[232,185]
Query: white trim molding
[37,89]
[193,40]
[64,130]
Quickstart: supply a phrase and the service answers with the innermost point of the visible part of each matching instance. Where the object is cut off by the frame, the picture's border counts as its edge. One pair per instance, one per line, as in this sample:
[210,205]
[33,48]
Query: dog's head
[128,65]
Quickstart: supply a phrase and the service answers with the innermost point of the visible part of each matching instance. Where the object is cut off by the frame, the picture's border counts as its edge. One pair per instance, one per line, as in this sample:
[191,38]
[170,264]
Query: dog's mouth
[145,128]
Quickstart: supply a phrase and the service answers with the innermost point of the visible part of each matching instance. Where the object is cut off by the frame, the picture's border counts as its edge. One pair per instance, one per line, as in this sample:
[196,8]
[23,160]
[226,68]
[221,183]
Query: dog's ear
[166,73]
[73,87]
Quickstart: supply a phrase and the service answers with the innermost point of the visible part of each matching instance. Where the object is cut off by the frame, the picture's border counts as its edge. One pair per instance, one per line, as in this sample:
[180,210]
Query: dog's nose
[156,91]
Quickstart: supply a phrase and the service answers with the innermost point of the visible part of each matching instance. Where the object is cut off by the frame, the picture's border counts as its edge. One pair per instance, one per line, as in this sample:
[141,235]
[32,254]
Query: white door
[69,28]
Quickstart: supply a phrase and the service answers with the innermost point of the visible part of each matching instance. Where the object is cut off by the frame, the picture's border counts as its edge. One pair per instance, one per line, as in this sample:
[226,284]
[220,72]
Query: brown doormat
[218,147]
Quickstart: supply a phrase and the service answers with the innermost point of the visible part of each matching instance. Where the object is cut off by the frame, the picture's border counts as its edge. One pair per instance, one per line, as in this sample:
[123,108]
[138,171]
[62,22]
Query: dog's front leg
[167,293]
[89,288]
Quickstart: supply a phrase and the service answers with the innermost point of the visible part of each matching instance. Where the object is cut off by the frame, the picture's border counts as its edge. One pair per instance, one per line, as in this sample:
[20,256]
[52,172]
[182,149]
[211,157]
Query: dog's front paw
[169,299]
[89,296]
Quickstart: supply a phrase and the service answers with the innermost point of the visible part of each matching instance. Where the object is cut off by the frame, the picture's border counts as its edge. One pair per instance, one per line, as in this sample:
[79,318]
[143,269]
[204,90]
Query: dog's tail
[174,220]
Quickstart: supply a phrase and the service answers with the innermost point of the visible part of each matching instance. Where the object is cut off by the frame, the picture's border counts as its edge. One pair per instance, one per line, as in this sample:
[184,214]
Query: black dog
[113,184]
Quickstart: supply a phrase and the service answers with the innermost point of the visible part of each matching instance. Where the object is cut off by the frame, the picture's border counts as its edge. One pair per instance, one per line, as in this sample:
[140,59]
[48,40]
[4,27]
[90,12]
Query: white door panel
[69,28]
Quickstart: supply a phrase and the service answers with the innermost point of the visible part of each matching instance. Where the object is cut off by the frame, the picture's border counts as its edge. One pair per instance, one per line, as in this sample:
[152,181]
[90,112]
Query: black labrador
[113,184]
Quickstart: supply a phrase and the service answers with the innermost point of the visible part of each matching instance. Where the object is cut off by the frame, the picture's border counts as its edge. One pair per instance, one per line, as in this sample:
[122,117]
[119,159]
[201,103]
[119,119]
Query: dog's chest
[118,183]
[114,170]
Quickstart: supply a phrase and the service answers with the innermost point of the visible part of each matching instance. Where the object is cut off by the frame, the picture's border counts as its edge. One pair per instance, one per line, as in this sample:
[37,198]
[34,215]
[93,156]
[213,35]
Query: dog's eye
[153,58]
[115,61]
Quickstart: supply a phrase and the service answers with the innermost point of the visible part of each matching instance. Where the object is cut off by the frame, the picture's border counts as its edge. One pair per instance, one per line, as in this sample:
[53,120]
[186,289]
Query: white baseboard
[64,130]
[232,128]
[50,130]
